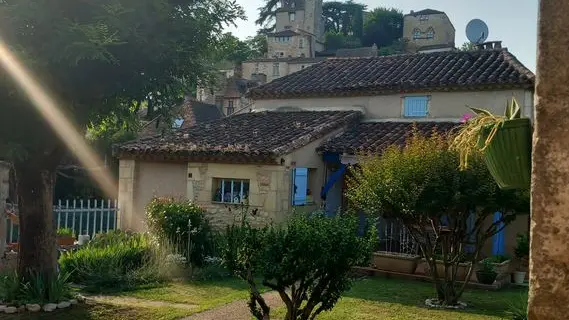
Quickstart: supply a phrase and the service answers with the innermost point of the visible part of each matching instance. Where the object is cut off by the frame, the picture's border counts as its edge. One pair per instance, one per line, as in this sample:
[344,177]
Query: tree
[383,27]
[422,186]
[339,41]
[344,18]
[467,46]
[99,59]
[308,261]
[267,15]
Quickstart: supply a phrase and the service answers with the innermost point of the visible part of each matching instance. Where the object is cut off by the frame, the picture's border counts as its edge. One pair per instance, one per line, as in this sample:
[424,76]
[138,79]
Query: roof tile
[437,71]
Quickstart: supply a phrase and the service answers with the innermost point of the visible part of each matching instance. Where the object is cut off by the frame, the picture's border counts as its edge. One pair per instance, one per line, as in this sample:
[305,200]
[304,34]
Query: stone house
[428,28]
[292,150]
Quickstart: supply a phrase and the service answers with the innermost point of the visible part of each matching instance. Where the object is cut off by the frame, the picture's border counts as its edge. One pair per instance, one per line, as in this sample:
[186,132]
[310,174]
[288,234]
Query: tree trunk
[37,241]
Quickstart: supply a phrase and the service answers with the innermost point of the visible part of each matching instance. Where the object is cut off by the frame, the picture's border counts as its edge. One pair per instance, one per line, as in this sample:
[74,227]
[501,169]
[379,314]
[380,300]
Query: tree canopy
[100,60]
[383,27]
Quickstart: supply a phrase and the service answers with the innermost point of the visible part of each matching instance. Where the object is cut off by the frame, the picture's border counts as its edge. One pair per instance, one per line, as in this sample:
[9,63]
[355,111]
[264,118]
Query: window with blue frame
[301,192]
[416,106]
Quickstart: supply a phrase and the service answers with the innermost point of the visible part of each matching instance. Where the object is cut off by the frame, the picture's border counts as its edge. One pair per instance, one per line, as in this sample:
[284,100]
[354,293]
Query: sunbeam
[47,107]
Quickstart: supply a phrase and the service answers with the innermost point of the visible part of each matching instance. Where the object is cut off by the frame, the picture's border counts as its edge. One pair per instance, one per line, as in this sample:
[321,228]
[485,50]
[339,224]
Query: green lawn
[379,298]
[374,298]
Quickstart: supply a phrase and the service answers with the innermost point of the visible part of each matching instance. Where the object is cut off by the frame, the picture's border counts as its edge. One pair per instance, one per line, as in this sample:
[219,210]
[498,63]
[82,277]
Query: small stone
[21,308]
[2,308]
[49,307]
[11,310]
[63,305]
[33,307]
[80,298]
[73,301]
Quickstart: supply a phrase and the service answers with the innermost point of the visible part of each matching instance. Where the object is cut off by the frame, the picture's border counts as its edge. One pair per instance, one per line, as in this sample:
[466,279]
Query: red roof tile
[374,137]
[258,137]
[437,71]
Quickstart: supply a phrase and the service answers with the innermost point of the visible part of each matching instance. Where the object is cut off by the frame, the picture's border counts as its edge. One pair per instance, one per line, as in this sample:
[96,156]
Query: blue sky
[512,21]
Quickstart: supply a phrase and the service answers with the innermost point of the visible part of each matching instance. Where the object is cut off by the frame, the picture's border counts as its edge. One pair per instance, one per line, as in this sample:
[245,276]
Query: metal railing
[394,237]
[82,216]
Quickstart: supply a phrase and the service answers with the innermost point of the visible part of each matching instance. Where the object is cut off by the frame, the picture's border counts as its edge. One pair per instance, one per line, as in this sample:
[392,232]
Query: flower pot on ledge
[395,262]
[508,156]
[65,240]
[462,270]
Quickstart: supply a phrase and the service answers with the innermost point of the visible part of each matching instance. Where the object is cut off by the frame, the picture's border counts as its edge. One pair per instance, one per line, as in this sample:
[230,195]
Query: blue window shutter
[416,106]
[300,186]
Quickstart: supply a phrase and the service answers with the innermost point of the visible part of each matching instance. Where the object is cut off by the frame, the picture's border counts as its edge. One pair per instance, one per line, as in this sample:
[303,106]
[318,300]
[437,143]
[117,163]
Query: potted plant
[486,273]
[522,253]
[65,237]
[505,142]
[502,266]
[395,262]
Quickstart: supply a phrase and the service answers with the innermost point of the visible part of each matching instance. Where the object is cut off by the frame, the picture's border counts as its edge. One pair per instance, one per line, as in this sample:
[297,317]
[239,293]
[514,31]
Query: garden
[182,268]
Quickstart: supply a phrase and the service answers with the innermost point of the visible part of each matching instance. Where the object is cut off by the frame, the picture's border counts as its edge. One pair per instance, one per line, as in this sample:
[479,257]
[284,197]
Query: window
[257,67]
[276,69]
[416,34]
[230,190]
[301,43]
[430,33]
[291,16]
[423,18]
[417,106]
[178,123]
[230,107]
[301,188]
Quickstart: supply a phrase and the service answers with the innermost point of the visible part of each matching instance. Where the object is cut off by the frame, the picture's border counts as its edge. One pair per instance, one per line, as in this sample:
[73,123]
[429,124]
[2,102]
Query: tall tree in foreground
[444,209]
[98,59]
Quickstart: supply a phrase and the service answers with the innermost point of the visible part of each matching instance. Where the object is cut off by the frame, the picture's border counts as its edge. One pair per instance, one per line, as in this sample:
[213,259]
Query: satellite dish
[477,31]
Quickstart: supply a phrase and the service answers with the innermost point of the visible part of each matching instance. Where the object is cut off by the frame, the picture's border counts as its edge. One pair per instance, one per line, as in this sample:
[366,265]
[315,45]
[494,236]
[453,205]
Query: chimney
[412,11]
[490,45]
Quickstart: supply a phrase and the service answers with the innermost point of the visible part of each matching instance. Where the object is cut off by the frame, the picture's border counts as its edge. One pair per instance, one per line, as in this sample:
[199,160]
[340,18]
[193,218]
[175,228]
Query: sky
[514,22]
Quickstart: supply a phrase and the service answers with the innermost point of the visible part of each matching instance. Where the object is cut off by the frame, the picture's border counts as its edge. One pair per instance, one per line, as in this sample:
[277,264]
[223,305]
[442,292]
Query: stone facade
[428,28]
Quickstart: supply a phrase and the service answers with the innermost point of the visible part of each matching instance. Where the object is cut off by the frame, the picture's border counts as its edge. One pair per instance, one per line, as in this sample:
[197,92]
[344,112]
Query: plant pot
[395,262]
[486,277]
[508,156]
[503,270]
[519,277]
[65,240]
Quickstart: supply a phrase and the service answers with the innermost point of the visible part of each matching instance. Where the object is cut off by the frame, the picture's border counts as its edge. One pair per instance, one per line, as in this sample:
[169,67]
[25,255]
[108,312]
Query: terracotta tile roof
[258,137]
[373,137]
[437,71]
[191,111]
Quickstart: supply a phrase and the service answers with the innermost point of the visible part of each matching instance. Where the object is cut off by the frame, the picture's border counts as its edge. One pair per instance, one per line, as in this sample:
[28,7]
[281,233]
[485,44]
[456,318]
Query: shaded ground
[369,299]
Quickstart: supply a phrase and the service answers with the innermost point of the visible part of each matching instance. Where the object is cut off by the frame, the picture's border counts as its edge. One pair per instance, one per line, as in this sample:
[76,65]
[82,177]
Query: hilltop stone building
[428,30]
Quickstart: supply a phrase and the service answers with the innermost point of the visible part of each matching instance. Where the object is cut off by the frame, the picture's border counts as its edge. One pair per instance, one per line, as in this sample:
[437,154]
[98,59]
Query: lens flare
[61,125]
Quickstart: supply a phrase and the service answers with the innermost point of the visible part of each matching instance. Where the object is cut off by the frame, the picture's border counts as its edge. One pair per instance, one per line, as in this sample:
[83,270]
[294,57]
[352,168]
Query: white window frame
[237,190]
[291,16]
[417,34]
[276,69]
[230,106]
[301,43]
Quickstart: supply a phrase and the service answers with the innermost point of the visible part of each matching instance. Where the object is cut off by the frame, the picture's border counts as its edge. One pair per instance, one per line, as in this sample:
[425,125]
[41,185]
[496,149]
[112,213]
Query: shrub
[422,186]
[116,261]
[14,289]
[183,224]
[308,261]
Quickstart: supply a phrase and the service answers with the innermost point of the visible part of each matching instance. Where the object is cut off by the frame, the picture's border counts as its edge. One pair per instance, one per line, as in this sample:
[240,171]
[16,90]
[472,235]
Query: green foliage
[420,184]
[383,26]
[471,137]
[236,51]
[343,17]
[36,289]
[116,262]
[65,232]
[519,309]
[487,265]
[311,256]
[467,46]
[183,224]
[498,258]
[522,245]
[339,41]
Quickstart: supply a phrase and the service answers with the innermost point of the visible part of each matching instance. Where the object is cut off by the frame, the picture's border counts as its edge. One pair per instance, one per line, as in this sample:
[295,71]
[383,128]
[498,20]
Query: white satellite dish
[477,31]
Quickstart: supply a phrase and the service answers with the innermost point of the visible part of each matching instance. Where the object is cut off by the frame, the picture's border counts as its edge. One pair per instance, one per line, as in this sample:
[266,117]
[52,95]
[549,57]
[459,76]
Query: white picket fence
[82,216]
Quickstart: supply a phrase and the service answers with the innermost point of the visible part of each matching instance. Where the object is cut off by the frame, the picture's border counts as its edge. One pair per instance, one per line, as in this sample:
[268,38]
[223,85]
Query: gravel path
[129,301]
[237,310]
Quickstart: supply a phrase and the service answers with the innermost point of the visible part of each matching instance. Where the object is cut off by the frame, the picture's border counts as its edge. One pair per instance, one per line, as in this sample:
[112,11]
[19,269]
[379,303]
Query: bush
[15,290]
[117,261]
[308,261]
[168,219]
[422,186]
